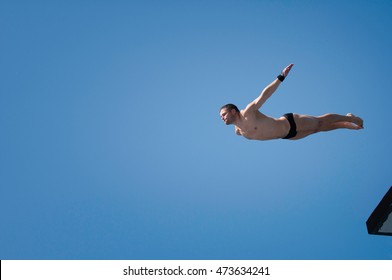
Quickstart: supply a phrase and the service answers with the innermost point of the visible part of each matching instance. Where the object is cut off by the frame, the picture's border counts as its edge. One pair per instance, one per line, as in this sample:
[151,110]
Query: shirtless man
[254,125]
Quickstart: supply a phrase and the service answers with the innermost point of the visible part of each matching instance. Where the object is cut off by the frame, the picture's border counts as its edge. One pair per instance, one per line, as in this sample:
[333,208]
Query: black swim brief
[293,127]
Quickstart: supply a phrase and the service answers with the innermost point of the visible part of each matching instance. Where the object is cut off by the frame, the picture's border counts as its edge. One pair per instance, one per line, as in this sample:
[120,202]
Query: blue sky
[112,146]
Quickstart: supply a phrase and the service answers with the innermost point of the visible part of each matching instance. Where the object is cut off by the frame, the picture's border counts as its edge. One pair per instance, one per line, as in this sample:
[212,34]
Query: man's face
[227,116]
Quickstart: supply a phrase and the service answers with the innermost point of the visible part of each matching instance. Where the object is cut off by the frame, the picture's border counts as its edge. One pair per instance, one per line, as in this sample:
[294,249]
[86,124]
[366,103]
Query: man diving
[254,125]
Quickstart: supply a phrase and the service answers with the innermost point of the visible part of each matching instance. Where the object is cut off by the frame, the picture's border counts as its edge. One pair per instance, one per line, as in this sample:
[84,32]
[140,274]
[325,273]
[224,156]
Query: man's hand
[286,71]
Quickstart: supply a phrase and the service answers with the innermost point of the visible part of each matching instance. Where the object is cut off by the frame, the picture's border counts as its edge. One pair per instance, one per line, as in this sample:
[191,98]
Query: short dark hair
[230,107]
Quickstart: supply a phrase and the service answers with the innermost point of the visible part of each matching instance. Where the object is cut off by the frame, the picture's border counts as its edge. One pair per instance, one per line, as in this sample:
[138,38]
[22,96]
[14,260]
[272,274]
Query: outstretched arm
[268,90]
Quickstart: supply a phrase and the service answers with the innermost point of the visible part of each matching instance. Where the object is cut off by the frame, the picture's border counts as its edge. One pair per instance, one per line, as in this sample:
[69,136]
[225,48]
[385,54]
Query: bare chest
[249,131]
[260,128]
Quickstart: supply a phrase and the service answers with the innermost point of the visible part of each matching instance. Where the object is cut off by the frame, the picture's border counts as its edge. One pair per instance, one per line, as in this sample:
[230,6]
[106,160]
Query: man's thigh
[306,122]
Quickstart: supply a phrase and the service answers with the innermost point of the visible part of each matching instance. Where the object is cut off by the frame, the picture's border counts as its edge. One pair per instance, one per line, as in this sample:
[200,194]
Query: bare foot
[357,120]
[286,71]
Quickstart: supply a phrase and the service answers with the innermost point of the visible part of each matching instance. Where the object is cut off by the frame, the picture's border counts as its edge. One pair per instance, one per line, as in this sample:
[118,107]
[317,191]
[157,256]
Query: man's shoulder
[249,111]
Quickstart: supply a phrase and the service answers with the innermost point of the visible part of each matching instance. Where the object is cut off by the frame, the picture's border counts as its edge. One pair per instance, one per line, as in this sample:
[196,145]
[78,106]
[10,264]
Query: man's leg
[334,121]
[307,125]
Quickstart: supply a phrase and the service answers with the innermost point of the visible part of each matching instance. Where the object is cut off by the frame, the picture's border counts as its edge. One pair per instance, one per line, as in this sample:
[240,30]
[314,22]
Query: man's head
[229,113]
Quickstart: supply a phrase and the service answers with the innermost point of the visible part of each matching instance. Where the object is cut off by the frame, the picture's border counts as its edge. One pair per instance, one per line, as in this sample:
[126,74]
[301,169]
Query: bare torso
[257,126]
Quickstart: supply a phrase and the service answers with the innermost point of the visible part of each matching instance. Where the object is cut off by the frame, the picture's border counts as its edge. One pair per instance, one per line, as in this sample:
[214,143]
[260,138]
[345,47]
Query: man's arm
[268,91]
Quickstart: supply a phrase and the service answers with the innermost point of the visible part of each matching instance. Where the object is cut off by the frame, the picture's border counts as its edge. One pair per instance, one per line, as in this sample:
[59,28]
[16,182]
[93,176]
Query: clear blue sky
[112,146]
